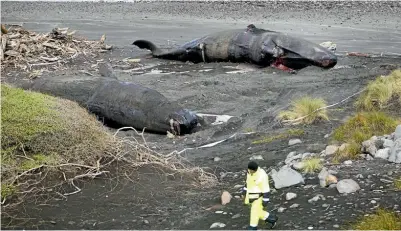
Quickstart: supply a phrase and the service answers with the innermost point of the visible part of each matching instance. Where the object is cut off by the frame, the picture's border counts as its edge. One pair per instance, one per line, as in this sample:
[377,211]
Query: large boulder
[346,186]
[286,177]
[395,152]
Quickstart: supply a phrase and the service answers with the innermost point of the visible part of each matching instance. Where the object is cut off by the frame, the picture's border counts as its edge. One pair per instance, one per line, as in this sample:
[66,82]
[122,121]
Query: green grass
[287,134]
[39,129]
[397,183]
[362,127]
[380,91]
[305,107]
[311,165]
[382,219]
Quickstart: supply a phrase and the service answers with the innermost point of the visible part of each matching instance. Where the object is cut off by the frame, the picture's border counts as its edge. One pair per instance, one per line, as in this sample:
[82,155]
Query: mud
[250,95]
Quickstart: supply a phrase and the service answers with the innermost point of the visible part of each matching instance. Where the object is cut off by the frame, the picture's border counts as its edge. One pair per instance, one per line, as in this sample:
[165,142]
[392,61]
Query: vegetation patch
[306,110]
[47,141]
[311,165]
[382,219]
[397,183]
[287,134]
[381,92]
[362,127]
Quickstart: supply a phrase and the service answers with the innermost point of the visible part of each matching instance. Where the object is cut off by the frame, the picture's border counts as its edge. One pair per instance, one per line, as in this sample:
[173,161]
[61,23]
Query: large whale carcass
[252,45]
[120,103]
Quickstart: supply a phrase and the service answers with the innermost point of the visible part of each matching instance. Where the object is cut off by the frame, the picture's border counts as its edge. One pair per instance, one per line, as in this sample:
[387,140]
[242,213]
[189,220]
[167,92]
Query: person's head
[252,167]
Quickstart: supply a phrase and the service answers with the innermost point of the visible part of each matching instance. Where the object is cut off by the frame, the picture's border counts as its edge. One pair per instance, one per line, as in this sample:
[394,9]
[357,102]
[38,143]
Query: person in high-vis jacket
[257,192]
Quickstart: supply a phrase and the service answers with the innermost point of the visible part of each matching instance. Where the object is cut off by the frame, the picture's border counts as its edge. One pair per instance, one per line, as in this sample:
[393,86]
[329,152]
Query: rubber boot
[272,219]
[252,228]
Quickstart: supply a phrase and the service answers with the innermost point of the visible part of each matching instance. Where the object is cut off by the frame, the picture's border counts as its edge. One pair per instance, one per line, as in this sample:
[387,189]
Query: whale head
[183,121]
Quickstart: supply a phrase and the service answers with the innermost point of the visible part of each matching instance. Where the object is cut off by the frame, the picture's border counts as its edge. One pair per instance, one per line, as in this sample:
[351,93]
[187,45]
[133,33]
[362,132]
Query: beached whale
[251,45]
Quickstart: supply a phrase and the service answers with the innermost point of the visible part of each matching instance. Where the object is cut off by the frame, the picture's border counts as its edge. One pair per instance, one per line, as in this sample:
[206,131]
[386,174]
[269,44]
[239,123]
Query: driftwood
[23,49]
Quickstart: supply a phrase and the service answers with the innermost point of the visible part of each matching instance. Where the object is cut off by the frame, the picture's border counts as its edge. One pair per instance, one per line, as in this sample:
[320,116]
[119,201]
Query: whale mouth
[175,127]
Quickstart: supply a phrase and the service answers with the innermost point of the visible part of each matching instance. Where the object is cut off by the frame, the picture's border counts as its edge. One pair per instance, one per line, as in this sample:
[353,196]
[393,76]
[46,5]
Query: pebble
[348,162]
[236,216]
[310,227]
[325,205]
[238,186]
[294,206]
[294,141]
[218,212]
[256,157]
[373,201]
[217,225]
[146,221]
[217,159]
[290,196]
[281,209]
[336,226]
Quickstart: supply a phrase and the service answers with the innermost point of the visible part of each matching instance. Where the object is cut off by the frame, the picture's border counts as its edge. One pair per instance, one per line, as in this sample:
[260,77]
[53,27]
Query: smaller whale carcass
[120,103]
[251,45]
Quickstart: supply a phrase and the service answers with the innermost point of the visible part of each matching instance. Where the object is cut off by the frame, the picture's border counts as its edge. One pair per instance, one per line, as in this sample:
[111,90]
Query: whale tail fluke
[144,44]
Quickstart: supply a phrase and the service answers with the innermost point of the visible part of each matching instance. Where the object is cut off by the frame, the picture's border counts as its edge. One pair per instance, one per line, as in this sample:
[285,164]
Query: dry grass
[362,127]
[24,49]
[383,219]
[47,141]
[305,110]
[311,165]
[287,134]
[379,93]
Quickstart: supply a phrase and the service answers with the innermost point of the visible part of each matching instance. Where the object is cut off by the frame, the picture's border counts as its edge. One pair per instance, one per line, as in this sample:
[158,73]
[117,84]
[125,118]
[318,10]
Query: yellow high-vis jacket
[257,185]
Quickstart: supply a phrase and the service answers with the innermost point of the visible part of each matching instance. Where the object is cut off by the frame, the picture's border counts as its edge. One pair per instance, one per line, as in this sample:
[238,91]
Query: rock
[218,212]
[395,151]
[310,227]
[217,159]
[397,132]
[281,209]
[298,165]
[290,196]
[347,162]
[316,198]
[238,186]
[293,206]
[343,147]
[286,177]
[373,201]
[387,143]
[347,186]
[333,186]
[336,226]
[359,176]
[369,146]
[292,158]
[256,157]
[307,154]
[331,149]
[325,178]
[225,198]
[236,216]
[217,225]
[146,222]
[383,153]
[369,157]
[294,141]
[332,172]
[326,136]
[325,205]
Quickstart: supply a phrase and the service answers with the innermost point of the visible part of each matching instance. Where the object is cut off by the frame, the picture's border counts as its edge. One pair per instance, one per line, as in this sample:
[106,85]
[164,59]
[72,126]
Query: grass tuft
[397,183]
[362,127]
[287,134]
[380,92]
[303,110]
[382,219]
[39,129]
[311,165]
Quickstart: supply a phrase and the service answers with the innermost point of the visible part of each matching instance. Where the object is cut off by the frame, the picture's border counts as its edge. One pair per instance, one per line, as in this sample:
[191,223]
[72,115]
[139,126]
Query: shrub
[305,110]
[362,127]
[382,219]
[311,165]
[379,92]
[39,129]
